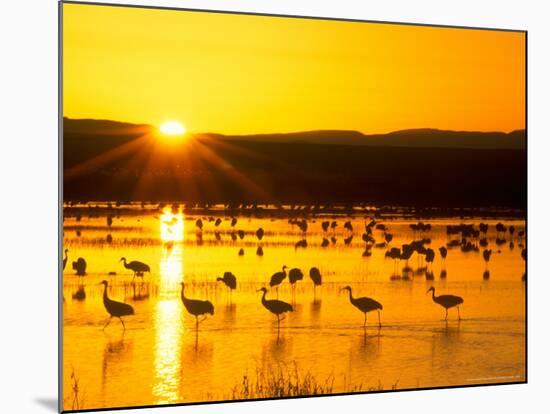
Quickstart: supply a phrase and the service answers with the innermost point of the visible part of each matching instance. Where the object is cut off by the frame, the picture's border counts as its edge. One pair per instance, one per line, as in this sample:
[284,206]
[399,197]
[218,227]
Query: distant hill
[418,138]
[106,160]
[103,127]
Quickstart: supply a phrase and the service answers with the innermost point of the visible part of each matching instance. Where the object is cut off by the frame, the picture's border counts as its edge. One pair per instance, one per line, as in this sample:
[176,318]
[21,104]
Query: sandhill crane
[430,256]
[114,308]
[275,306]
[486,258]
[315,276]
[443,253]
[80,266]
[301,243]
[260,251]
[325,242]
[365,305]
[348,226]
[325,225]
[294,275]
[229,280]
[218,222]
[233,221]
[196,307]
[137,267]
[260,233]
[241,234]
[277,278]
[241,252]
[65,258]
[302,225]
[447,301]
[198,223]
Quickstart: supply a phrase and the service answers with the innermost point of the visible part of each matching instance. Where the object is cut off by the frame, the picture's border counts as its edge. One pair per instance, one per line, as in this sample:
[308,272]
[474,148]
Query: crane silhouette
[114,308]
[277,278]
[229,280]
[196,307]
[275,306]
[65,258]
[447,301]
[315,276]
[486,258]
[80,266]
[443,253]
[137,267]
[365,305]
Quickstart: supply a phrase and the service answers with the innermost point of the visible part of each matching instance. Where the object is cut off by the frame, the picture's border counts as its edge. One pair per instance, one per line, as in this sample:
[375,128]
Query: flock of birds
[467,237]
[202,308]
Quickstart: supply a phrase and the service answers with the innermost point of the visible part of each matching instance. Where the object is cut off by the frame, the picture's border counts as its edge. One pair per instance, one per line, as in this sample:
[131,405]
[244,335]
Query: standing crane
[277,278]
[275,306]
[229,280]
[137,267]
[486,258]
[315,276]
[65,258]
[365,305]
[196,307]
[447,301]
[114,308]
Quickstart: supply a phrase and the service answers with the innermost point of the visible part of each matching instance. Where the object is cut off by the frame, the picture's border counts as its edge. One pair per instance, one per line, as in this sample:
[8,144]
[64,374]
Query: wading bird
[196,307]
[365,305]
[316,277]
[114,308]
[80,266]
[277,279]
[65,258]
[137,267]
[229,280]
[486,257]
[275,306]
[447,301]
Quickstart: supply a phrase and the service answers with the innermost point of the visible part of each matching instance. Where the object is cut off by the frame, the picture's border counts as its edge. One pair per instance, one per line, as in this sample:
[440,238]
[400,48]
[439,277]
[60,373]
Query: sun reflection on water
[171,225]
[168,312]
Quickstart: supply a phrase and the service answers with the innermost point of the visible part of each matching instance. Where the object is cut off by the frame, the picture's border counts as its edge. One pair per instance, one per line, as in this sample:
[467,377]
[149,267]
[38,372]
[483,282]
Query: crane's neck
[66,256]
[105,297]
[183,298]
[263,296]
[351,299]
[433,295]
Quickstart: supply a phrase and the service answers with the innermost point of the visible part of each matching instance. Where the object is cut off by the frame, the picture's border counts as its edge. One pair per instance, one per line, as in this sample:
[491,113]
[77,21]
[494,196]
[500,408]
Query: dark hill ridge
[418,138]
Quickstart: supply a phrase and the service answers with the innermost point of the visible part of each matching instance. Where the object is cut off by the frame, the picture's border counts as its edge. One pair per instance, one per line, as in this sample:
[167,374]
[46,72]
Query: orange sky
[250,74]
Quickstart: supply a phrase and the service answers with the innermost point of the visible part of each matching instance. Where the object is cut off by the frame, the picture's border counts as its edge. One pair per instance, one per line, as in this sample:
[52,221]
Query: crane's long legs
[446,313]
[458,309]
[124,326]
[379,323]
[365,323]
[108,322]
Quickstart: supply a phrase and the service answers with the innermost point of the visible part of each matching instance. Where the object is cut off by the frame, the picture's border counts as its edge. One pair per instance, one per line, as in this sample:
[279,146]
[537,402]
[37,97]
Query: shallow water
[160,358]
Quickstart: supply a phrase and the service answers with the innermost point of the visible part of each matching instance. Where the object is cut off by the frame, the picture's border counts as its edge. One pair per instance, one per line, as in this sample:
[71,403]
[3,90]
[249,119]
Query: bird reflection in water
[116,352]
[80,293]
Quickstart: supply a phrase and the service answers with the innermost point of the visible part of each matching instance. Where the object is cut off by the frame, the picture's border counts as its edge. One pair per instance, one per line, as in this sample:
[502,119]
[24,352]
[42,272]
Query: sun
[173,128]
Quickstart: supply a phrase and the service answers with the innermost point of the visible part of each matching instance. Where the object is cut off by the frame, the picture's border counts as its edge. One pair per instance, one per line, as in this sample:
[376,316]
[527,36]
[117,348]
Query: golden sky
[250,74]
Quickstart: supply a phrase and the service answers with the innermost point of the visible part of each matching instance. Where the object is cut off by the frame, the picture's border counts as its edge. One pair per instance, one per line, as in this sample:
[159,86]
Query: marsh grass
[288,381]
[76,398]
